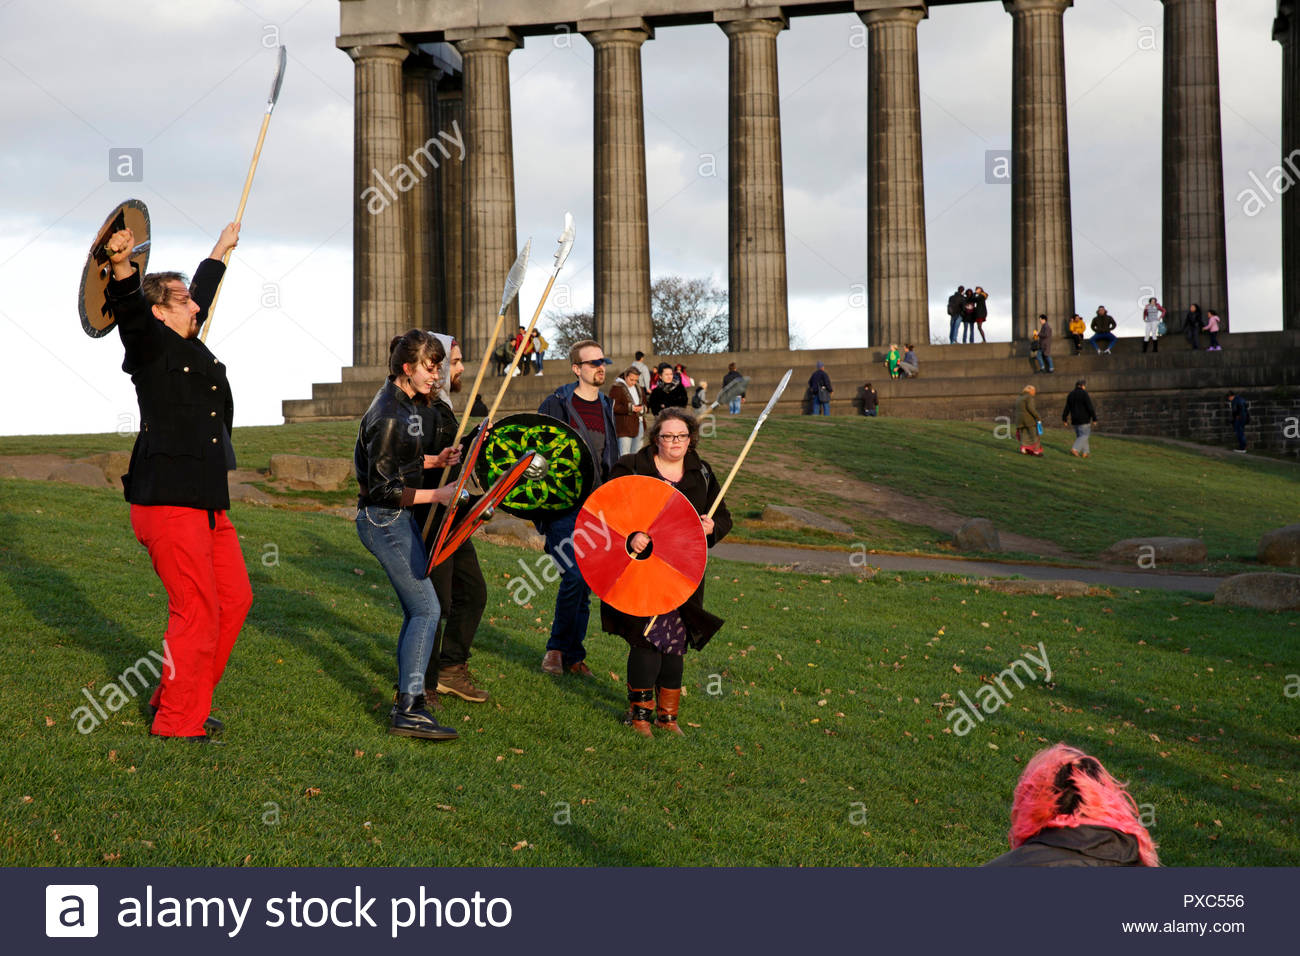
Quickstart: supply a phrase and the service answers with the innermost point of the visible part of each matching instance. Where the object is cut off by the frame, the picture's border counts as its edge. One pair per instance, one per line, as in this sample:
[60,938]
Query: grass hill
[821,721]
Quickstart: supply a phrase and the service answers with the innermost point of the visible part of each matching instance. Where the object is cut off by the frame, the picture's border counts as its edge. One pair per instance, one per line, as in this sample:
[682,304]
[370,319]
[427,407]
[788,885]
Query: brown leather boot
[638,713]
[666,710]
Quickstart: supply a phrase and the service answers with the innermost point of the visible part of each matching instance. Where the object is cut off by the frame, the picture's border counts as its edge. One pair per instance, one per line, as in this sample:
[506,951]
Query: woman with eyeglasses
[390,465]
[656,661]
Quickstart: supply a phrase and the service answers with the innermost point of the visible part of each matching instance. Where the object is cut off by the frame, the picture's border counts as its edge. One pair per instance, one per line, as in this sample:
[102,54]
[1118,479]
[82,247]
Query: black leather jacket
[389,459]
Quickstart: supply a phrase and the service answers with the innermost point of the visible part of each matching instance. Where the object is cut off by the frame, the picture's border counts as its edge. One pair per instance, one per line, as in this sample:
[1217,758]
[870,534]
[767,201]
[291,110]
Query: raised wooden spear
[771,403]
[513,281]
[252,168]
[561,253]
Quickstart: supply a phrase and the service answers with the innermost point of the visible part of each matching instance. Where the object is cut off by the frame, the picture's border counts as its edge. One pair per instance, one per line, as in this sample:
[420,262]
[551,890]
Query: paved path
[837,562]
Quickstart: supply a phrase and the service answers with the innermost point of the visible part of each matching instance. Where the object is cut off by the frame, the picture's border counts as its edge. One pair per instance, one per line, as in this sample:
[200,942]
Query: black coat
[700,486]
[667,396]
[1079,409]
[1103,323]
[183,450]
[1074,846]
[388,458]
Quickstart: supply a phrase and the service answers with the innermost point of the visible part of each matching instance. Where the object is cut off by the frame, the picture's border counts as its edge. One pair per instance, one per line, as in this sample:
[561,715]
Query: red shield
[678,552]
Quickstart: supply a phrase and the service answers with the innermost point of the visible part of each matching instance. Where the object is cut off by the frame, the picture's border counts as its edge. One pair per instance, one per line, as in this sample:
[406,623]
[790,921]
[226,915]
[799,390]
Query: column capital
[883,11]
[613,29]
[485,39]
[1033,6]
[911,14]
[769,20]
[376,52]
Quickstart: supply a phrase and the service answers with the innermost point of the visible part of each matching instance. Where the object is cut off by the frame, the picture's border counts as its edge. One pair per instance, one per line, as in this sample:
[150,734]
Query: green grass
[825,744]
[1128,488]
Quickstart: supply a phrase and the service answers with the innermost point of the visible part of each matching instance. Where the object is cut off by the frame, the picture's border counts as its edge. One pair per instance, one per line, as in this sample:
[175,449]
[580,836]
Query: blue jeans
[573,603]
[1044,362]
[967,331]
[390,534]
[1239,427]
[820,407]
[735,405]
[1081,433]
[953,322]
[1110,340]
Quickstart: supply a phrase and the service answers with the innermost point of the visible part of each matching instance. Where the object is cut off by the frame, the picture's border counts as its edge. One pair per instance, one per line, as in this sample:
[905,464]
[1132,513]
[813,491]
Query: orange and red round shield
[645,585]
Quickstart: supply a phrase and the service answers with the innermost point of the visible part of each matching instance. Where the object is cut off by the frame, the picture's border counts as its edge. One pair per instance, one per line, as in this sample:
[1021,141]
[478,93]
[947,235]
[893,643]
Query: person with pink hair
[1069,811]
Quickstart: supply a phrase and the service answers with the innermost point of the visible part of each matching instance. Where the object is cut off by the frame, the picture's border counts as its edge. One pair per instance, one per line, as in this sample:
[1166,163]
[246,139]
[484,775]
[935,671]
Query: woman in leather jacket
[390,464]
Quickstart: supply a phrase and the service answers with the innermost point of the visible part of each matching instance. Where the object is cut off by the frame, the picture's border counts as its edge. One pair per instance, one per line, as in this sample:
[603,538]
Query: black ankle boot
[410,719]
[1144,344]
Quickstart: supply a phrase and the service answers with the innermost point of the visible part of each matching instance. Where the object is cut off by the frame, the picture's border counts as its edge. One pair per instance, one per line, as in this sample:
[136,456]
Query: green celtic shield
[562,475]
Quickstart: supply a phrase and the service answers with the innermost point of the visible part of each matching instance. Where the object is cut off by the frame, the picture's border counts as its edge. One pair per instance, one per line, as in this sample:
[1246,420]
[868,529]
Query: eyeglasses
[594,363]
[684,436]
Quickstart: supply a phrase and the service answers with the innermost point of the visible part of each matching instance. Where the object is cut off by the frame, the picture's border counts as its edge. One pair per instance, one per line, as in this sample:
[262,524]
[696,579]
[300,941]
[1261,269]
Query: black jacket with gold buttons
[183,451]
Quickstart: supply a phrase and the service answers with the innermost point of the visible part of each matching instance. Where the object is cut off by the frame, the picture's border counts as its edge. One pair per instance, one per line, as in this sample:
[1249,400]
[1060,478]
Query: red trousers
[208,597]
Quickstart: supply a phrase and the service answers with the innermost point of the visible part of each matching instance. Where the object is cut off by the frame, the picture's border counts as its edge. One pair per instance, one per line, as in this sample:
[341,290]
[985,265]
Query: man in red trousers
[176,482]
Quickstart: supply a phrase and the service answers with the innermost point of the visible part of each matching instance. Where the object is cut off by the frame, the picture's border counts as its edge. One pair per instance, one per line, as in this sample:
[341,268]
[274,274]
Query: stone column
[381,305]
[622,221]
[1194,247]
[759,308]
[1042,243]
[1286,30]
[897,292]
[450,213]
[488,222]
[418,126]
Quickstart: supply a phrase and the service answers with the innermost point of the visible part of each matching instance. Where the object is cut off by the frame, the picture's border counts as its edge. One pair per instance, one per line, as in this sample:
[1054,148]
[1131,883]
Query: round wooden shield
[644,585]
[563,471]
[92,300]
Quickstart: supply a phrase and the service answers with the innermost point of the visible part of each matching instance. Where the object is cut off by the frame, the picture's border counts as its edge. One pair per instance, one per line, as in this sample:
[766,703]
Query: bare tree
[689,315]
[569,327]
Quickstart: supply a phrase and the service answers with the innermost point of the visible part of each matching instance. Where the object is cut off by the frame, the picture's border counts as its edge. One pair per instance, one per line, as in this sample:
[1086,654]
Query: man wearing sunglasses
[582,405]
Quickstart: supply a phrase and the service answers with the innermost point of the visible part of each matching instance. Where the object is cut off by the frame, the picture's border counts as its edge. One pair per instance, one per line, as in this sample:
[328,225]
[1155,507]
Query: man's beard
[455,383]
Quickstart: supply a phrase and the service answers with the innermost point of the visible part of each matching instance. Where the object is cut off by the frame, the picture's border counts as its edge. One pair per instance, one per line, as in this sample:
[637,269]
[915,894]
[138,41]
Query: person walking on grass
[1153,313]
[1029,428]
[1082,414]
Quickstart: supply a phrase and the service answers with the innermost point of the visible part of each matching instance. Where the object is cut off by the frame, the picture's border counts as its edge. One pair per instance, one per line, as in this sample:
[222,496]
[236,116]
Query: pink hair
[1064,787]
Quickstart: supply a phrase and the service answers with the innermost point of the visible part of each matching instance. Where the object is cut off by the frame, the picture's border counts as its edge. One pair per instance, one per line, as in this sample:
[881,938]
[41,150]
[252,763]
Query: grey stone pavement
[808,561]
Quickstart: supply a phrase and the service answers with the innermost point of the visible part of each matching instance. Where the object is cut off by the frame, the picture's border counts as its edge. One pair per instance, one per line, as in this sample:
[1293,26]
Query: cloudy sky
[187,83]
